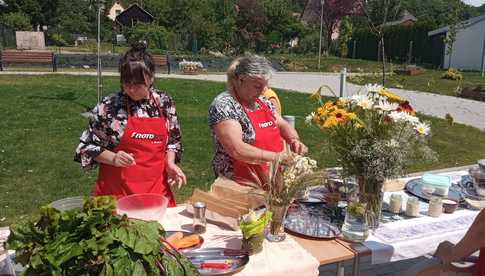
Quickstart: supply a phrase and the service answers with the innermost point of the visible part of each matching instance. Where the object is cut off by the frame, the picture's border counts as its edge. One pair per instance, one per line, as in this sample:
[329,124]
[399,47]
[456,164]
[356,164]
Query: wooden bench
[162,60]
[12,56]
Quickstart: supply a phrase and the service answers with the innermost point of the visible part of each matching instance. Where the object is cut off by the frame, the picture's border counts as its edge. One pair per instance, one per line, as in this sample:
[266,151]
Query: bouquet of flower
[289,174]
[375,135]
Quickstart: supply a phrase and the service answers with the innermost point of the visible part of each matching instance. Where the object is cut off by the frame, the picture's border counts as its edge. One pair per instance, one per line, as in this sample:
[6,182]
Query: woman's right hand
[123,159]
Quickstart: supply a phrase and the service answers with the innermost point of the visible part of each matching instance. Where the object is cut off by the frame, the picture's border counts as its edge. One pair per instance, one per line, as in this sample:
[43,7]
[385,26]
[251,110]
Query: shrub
[452,74]
[156,36]
[17,21]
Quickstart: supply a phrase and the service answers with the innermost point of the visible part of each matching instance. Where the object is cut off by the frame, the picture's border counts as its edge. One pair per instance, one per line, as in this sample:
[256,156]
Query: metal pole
[343,82]
[321,29]
[99,85]
[354,49]
[483,58]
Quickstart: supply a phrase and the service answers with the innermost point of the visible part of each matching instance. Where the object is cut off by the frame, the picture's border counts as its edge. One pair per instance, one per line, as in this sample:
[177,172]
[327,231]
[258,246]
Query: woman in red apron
[247,132]
[134,135]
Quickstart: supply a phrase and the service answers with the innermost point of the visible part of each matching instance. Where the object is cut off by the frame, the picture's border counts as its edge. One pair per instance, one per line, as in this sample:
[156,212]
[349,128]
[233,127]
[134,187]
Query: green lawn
[41,127]
[429,81]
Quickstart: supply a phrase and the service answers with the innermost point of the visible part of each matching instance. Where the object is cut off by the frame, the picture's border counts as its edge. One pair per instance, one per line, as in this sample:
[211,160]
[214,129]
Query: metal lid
[481,164]
[199,204]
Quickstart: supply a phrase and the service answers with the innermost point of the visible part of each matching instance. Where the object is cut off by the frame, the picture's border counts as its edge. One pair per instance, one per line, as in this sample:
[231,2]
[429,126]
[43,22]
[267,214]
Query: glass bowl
[143,206]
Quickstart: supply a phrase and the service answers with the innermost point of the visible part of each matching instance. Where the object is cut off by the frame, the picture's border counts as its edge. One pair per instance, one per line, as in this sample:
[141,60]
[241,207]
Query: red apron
[480,266]
[146,139]
[267,137]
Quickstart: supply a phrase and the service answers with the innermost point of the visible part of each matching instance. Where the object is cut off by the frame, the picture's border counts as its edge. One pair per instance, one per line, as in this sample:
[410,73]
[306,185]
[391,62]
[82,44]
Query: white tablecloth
[411,238]
[281,258]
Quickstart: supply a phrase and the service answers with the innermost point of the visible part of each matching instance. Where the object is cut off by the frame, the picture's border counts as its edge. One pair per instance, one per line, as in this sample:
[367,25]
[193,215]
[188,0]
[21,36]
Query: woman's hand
[123,159]
[298,147]
[175,175]
[444,252]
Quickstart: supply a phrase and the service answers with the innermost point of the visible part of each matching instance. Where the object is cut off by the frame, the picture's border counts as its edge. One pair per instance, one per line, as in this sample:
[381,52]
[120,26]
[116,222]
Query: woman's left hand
[175,175]
[298,147]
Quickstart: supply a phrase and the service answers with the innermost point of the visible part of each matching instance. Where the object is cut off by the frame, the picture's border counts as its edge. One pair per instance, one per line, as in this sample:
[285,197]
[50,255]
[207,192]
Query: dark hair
[136,63]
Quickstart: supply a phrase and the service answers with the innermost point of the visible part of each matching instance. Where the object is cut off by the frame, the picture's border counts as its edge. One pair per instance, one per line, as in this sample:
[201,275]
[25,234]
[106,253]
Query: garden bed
[475,93]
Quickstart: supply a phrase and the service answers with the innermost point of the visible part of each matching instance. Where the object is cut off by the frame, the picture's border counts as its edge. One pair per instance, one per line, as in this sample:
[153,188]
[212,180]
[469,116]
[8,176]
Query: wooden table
[327,251]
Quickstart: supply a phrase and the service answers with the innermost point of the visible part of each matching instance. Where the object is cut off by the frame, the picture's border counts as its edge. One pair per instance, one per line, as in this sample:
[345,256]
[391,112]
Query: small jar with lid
[412,206]
[477,174]
[435,207]
[395,203]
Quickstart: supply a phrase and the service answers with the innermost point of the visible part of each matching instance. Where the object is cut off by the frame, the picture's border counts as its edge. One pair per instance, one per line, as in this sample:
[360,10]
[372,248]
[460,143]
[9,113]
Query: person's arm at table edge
[229,133]
[290,135]
[473,239]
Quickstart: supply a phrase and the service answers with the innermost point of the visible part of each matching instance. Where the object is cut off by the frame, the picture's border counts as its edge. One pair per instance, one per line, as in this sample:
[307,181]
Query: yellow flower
[330,122]
[317,94]
[351,116]
[340,115]
[393,98]
[358,125]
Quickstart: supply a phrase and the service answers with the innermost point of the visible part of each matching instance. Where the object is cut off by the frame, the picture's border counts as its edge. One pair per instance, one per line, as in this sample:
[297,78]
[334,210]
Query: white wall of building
[115,10]
[468,48]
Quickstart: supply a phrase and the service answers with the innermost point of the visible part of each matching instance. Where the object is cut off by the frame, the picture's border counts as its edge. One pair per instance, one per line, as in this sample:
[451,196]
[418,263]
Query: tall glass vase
[371,195]
[276,231]
[355,227]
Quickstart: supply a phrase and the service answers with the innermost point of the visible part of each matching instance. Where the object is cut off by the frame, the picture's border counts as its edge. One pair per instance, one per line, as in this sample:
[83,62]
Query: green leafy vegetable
[93,241]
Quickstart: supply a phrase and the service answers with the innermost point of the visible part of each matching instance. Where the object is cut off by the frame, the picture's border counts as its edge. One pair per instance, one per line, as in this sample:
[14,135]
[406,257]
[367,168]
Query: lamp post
[322,2]
[100,7]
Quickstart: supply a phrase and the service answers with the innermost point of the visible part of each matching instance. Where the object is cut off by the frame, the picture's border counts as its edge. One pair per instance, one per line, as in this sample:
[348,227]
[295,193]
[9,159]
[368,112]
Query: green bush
[452,74]
[17,21]
[156,36]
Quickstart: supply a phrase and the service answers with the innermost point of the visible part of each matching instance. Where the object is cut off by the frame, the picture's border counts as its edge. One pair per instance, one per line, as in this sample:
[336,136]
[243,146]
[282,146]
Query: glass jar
[412,207]
[435,207]
[477,174]
[395,203]
[355,227]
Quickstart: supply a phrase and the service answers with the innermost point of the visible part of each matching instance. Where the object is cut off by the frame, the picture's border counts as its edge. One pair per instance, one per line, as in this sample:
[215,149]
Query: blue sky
[474,2]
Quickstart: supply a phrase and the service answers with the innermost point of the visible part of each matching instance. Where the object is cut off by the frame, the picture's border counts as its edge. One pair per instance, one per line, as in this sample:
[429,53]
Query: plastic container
[143,206]
[436,184]
[68,203]
[449,206]
[478,177]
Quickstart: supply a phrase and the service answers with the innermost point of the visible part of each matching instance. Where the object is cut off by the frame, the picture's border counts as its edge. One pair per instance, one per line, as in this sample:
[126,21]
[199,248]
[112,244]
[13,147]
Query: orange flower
[406,107]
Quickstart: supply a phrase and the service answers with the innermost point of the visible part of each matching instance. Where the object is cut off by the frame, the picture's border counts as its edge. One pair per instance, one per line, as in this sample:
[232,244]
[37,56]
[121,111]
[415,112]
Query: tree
[345,34]
[378,13]
[17,21]
[250,23]
[155,35]
[333,12]
[454,21]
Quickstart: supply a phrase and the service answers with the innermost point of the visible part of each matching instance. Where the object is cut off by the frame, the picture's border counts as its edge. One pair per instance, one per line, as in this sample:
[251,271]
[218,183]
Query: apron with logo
[145,139]
[267,137]
[480,266]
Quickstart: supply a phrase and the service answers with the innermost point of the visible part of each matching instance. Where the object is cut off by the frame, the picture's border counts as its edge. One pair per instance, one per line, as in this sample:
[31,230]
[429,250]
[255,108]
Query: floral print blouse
[226,107]
[109,118]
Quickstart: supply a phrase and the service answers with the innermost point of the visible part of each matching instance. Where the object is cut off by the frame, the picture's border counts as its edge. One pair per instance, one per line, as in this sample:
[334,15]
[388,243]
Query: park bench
[13,56]
[162,60]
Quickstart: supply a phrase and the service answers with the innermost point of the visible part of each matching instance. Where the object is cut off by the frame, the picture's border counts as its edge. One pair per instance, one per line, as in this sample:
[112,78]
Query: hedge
[396,40]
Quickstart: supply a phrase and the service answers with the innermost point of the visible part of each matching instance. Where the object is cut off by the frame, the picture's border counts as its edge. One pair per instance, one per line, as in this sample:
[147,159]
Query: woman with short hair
[134,134]
[246,130]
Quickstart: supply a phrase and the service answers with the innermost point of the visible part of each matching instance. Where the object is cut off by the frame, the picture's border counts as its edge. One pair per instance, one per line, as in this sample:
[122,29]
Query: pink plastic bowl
[143,206]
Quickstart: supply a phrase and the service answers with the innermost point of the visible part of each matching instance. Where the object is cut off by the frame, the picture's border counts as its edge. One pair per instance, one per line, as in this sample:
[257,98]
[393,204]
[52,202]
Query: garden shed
[132,15]
[468,48]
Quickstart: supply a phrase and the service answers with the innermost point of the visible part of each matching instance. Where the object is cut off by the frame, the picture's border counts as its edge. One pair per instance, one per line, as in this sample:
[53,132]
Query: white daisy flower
[387,106]
[422,128]
[363,101]
[373,87]
[397,116]
[309,118]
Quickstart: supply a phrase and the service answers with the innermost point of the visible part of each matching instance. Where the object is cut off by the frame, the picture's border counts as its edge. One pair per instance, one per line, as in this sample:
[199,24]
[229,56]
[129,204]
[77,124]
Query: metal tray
[414,187]
[311,221]
[236,258]
[185,233]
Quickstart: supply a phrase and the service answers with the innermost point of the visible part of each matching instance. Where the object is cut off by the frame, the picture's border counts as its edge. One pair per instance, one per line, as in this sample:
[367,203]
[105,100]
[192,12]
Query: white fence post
[483,57]
[343,82]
